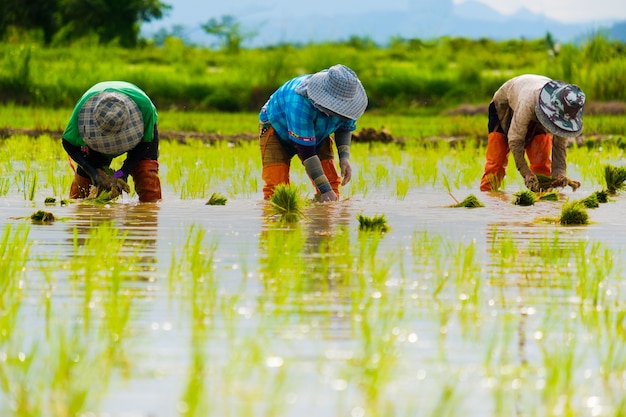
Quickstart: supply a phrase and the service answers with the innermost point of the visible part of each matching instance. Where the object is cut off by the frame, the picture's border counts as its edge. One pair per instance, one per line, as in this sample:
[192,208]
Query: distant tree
[229,31]
[29,15]
[177,31]
[110,20]
[361,42]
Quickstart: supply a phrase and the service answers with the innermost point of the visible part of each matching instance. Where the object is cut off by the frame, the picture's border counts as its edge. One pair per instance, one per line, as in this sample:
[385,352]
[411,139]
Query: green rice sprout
[591,202]
[602,196]
[374,223]
[471,201]
[574,213]
[614,178]
[27,181]
[494,183]
[548,196]
[41,216]
[216,199]
[525,198]
[104,197]
[286,203]
[5,186]
[51,201]
[545,181]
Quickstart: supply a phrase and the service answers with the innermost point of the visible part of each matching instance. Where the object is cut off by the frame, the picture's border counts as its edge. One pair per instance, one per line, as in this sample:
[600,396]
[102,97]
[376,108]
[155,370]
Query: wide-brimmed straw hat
[339,90]
[110,123]
[560,109]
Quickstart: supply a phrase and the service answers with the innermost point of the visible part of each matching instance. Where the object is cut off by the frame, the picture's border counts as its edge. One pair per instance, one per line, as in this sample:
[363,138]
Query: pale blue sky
[567,11]
[190,12]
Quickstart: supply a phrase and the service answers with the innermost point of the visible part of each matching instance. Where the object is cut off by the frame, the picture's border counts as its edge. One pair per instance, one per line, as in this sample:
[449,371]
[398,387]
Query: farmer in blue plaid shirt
[300,117]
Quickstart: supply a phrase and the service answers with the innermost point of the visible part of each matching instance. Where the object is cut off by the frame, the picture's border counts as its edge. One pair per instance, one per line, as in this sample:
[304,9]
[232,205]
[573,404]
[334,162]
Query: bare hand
[328,196]
[346,170]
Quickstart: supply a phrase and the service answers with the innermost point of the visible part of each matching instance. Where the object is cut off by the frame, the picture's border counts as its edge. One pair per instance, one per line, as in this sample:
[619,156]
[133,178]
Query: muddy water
[413,333]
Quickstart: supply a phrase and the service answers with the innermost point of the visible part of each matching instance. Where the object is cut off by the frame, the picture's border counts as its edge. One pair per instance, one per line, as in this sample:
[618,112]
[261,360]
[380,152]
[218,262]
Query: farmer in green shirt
[110,119]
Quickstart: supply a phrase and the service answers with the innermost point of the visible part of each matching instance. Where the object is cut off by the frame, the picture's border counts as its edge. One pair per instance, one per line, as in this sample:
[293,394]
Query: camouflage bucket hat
[560,109]
[110,123]
[339,90]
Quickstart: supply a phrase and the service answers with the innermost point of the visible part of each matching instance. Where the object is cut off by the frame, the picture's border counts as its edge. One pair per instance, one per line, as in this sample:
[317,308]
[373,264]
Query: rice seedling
[27,184]
[41,216]
[286,203]
[52,201]
[545,181]
[494,182]
[14,252]
[524,198]
[574,213]
[548,196]
[591,201]
[446,184]
[376,223]
[614,178]
[602,196]
[402,187]
[471,201]
[5,186]
[100,196]
[216,199]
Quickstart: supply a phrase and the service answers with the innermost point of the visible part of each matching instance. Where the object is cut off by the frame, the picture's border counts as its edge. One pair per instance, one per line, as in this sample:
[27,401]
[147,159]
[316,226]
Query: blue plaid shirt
[295,119]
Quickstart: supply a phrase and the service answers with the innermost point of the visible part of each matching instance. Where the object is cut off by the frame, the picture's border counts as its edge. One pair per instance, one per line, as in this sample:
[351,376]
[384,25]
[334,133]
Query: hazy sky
[564,10]
[193,12]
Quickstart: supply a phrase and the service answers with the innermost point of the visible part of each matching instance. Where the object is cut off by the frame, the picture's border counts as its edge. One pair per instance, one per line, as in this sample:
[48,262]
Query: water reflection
[137,225]
[306,267]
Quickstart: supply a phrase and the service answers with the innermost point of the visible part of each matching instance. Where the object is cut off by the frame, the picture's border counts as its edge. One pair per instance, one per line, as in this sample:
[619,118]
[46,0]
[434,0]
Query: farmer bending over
[299,119]
[112,118]
[536,115]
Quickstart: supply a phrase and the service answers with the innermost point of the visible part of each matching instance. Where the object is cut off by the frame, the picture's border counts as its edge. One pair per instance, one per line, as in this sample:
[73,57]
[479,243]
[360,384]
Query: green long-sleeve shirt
[147,108]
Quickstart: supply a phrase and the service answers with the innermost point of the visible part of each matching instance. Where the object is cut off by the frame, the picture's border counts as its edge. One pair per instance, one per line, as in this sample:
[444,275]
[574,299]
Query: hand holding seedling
[116,186]
[563,181]
[532,183]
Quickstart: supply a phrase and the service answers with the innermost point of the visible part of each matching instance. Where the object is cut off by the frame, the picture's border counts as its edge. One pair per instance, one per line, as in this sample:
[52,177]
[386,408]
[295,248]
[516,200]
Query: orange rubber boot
[497,156]
[539,152]
[147,181]
[273,175]
[330,170]
[80,186]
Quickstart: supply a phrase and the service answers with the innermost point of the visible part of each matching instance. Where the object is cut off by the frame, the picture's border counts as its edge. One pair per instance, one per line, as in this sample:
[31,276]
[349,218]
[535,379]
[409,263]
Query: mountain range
[424,19]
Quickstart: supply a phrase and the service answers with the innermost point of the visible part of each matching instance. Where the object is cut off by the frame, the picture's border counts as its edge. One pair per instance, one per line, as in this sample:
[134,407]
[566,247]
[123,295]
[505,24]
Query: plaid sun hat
[560,109]
[110,123]
[339,90]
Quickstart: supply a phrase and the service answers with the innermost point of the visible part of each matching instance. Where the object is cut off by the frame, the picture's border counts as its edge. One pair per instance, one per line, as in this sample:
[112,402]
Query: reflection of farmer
[537,115]
[112,118]
[299,118]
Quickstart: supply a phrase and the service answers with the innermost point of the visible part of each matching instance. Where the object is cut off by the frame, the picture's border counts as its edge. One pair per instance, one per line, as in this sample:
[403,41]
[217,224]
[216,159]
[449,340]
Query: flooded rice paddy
[183,309]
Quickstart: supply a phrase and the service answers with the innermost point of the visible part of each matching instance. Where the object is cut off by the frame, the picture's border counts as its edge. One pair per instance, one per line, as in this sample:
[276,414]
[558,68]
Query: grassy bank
[407,77]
